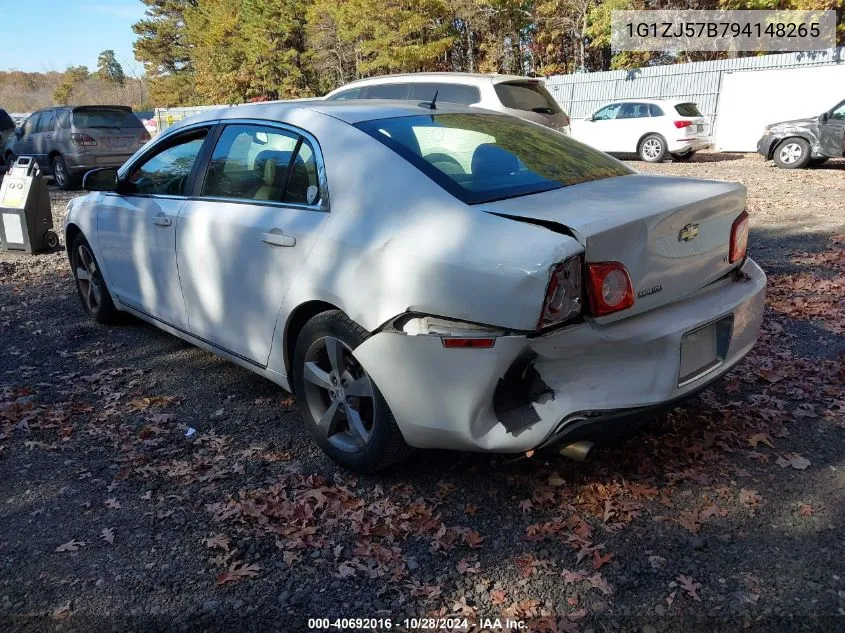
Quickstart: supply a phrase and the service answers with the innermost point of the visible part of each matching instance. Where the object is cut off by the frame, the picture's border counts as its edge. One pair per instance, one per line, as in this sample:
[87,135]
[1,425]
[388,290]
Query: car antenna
[431,105]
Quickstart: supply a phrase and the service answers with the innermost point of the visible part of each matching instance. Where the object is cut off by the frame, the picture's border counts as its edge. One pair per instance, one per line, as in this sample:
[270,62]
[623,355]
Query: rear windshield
[6,122]
[485,157]
[687,109]
[105,118]
[528,96]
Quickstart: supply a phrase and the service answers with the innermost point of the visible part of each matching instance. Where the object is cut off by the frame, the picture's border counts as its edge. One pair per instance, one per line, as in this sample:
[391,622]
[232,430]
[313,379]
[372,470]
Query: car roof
[350,110]
[655,101]
[474,79]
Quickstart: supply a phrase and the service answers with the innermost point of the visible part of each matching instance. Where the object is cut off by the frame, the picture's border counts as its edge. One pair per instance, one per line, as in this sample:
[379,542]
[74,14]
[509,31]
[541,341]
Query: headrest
[270,172]
[491,160]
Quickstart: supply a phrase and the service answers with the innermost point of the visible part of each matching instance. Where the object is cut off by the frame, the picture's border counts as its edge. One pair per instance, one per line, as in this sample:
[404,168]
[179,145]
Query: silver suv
[524,97]
[67,142]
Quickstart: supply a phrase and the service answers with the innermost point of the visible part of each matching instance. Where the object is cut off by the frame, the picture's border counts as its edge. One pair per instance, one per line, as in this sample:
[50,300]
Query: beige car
[524,97]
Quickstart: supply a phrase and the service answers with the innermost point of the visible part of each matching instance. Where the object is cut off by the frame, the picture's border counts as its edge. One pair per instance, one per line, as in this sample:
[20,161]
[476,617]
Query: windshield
[485,157]
[106,118]
[687,109]
[527,96]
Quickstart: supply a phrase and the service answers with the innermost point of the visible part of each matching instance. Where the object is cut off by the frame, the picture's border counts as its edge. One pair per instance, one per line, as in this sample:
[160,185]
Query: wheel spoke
[334,348]
[317,376]
[357,429]
[326,422]
[82,274]
[89,296]
[360,387]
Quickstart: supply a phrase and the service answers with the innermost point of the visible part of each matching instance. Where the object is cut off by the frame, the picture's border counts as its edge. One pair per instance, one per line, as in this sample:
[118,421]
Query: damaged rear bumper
[570,383]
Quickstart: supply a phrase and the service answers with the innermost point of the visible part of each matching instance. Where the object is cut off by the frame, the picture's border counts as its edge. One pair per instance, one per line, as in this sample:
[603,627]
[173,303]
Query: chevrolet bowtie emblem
[688,233]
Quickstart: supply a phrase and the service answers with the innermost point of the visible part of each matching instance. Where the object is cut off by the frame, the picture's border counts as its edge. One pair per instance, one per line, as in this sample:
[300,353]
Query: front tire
[652,148]
[343,408]
[792,153]
[90,284]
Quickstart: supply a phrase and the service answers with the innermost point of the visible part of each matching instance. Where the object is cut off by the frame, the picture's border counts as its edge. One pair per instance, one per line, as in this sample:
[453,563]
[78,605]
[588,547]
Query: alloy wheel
[86,267]
[652,148]
[59,173]
[790,153]
[339,394]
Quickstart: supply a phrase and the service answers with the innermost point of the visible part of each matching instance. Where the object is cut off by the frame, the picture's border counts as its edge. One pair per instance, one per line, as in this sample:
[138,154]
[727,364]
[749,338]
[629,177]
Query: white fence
[702,82]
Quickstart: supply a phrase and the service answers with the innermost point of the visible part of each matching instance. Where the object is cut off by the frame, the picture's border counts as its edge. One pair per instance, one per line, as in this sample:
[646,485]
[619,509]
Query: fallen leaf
[71,546]
[465,566]
[794,460]
[345,570]
[63,612]
[599,561]
[238,571]
[690,586]
[805,510]
[473,539]
[497,596]
[556,480]
[757,438]
[218,541]
[470,509]
[112,503]
[525,505]
[750,497]
[107,534]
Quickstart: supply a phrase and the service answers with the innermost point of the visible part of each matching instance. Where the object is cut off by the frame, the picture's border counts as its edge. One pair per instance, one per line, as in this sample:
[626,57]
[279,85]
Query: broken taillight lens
[739,238]
[610,288]
[564,294]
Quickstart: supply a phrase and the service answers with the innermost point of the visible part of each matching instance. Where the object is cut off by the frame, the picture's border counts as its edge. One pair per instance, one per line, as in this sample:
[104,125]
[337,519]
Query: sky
[54,34]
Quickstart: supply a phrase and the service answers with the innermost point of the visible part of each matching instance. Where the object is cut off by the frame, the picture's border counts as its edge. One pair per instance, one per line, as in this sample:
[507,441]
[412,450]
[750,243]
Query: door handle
[278,238]
[161,220]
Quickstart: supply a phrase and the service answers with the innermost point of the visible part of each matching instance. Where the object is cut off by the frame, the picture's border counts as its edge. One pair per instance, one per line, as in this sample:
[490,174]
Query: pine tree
[109,69]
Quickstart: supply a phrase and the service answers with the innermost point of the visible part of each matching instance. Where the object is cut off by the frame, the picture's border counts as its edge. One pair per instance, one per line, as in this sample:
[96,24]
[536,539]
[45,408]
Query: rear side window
[6,122]
[633,111]
[527,96]
[63,118]
[687,109]
[252,162]
[105,118]
[655,109]
[453,93]
[355,93]
[387,91]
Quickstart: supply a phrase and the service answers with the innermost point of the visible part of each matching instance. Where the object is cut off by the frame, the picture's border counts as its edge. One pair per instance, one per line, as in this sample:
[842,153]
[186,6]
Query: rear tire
[682,158]
[61,176]
[652,148]
[90,284]
[792,153]
[344,410]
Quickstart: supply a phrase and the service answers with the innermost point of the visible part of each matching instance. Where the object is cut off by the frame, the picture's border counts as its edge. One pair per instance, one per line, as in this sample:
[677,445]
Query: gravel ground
[726,514]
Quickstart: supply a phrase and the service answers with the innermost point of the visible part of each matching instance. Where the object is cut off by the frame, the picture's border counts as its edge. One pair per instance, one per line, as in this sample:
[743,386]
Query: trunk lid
[672,234]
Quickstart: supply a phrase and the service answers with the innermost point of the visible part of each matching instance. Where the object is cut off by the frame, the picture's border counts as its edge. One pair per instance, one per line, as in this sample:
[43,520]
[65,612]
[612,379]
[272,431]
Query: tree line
[226,51]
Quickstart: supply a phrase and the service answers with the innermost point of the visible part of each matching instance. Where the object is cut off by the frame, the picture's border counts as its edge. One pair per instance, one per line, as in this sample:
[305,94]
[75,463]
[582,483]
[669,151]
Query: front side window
[252,162]
[485,157]
[528,96]
[687,109]
[167,171]
[607,113]
[838,113]
[453,93]
[31,124]
[45,123]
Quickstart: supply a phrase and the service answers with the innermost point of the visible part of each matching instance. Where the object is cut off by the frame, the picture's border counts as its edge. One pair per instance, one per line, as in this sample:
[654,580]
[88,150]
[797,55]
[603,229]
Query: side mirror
[104,179]
[823,117]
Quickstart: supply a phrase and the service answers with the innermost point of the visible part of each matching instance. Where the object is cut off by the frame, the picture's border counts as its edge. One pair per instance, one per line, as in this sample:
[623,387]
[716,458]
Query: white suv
[650,128]
[524,97]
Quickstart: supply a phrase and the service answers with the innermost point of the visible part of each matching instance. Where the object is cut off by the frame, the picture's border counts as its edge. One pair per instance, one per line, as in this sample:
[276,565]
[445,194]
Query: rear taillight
[739,238]
[682,124]
[83,140]
[467,343]
[610,288]
[564,294]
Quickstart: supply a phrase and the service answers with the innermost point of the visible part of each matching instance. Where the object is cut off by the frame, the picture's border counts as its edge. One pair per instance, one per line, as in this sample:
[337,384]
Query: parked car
[7,128]
[524,97]
[653,129]
[424,277]
[69,141]
[802,142]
